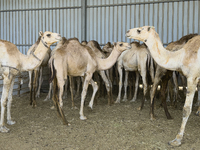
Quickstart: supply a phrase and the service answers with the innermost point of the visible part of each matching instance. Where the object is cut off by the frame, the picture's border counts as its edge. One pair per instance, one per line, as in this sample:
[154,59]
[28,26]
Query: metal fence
[100,20]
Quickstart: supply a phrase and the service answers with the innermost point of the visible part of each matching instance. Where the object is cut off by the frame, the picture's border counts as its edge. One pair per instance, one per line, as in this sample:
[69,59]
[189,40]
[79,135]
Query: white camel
[12,61]
[186,60]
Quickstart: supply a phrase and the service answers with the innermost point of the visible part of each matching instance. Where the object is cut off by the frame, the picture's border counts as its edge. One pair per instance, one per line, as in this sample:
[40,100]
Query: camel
[186,61]
[164,75]
[135,59]
[34,84]
[59,44]
[12,62]
[94,45]
[75,59]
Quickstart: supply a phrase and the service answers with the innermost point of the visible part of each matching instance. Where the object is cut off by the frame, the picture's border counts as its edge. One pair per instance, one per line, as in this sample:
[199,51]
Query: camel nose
[59,35]
[128,31]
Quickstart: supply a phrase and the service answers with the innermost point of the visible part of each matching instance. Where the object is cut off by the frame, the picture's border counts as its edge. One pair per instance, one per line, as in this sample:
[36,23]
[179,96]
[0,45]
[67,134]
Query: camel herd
[87,60]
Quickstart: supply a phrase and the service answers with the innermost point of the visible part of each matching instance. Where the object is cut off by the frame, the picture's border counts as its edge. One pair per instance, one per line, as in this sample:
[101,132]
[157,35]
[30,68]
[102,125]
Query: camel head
[141,33]
[121,46]
[84,42]
[48,38]
[108,48]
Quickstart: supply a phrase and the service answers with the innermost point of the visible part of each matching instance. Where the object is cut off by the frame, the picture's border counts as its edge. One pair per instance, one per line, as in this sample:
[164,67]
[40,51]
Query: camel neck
[164,58]
[104,64]
[34,60]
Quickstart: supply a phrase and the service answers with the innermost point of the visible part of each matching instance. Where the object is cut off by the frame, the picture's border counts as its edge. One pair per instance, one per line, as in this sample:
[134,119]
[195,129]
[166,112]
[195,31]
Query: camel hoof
[175,142]
[4,129]
[198,113]
[83,118]
[74,107]
[124,100]
[139,108]
[133,100]
[90,106]
[52,107]
[10,122]
[152,118]
[117,101]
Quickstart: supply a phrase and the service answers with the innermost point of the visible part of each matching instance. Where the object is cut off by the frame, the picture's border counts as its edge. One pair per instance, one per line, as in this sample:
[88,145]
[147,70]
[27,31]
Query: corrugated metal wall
[108,20]
[100,20]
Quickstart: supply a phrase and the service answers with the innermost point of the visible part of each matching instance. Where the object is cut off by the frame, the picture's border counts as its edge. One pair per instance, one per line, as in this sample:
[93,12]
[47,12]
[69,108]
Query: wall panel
[106,20]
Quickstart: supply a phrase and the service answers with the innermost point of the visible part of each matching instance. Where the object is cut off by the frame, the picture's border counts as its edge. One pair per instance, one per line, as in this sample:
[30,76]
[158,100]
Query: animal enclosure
[100,20]
[103,21]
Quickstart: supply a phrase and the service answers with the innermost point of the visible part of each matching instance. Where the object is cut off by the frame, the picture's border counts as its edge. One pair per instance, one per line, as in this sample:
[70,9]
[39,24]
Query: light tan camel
[75,59]
[59,44]
[94,45]
[33,83]
[12,61]
[164,75]
[186,60]
[135,59]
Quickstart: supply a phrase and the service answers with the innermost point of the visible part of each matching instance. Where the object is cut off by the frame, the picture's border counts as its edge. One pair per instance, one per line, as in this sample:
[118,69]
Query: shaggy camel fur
[12,62]
[33,83]
[75,59]
[186,61]
[164,75]
[135,59]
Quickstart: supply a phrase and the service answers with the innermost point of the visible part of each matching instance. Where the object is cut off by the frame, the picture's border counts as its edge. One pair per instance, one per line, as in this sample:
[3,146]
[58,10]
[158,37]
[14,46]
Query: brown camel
[33,83]
[75,59]
[12,62]
[164,75]
[186,61]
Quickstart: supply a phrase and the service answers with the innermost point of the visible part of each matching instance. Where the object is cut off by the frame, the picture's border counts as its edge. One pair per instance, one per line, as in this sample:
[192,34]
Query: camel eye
[48,35]
[138,31]
[120,44]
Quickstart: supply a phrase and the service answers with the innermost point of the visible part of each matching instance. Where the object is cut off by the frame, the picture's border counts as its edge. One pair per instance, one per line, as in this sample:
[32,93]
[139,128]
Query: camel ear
[151,27]
[41,33]
[114,43]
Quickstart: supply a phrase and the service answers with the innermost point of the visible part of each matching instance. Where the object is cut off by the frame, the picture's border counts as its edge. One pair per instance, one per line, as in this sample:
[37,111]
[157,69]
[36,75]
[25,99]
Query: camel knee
[186,111]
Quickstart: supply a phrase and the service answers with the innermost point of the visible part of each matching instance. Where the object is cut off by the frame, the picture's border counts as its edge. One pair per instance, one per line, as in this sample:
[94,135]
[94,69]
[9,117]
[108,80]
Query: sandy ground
[117,127]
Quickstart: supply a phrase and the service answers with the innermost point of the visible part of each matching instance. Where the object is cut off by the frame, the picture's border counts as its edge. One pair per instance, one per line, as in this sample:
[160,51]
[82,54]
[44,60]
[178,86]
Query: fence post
[83,19]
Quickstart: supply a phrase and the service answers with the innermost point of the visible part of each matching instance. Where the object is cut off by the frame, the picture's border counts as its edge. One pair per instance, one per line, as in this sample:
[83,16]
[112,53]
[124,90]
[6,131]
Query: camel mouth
[58,39]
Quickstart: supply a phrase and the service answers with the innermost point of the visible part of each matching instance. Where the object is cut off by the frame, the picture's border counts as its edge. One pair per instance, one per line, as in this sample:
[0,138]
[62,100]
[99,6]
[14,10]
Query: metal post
[83,19]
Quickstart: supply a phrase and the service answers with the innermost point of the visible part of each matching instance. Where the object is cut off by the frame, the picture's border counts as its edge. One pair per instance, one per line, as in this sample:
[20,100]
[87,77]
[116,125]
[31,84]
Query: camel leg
[145,88]
[31,86]
[71,90]
[186,110]
[83,94]
[125,86]
[110,83]
[120,83]
[57,104]
[49,93]
[175,89]
[152,96]
[65,89]
[9,119]
[7,81]
[198,100]
[34,87]
[40,83]
[30,73]
[78,83]
[136,87]
[164,84]
[95,88]
[107,84]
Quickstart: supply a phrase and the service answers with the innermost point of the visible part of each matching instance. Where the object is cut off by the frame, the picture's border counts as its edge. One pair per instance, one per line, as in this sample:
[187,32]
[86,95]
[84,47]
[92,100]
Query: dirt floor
[117,127]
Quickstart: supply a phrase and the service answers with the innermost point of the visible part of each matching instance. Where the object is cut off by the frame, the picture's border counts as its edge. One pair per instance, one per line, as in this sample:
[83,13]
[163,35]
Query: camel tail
[52,70]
